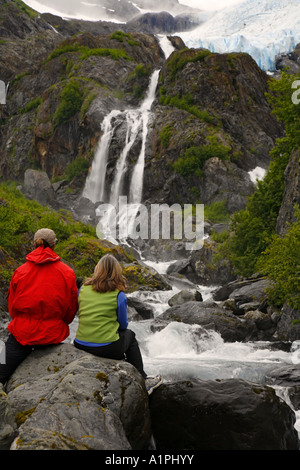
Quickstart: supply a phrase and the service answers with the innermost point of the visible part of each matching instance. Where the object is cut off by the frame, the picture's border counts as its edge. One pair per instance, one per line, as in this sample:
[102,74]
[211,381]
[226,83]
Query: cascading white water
[133,126]
[137,121]
[136,186]
[95,182]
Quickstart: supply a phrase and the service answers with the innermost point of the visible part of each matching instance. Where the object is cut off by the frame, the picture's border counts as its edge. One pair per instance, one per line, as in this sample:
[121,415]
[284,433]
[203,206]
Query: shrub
[194,158]
[166,134]
[87,52]
[72,98]
[77,167]
[217,212]
[185,103]
[179,59]
[281,263]
[142,70]
[31,105]
[20,218]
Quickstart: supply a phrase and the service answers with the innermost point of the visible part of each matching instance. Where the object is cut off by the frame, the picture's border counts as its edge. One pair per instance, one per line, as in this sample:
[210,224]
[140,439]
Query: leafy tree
[285,109]
[280,262]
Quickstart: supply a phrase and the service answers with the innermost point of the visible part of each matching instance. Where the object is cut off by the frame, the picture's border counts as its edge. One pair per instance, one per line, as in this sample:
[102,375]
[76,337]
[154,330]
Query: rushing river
[181,351]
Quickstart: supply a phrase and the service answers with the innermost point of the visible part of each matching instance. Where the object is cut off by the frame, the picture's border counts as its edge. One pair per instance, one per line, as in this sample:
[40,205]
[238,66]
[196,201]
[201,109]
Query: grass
[86,52]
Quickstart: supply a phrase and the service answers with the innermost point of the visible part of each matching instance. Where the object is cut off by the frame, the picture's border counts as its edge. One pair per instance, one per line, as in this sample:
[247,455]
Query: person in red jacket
[42,302]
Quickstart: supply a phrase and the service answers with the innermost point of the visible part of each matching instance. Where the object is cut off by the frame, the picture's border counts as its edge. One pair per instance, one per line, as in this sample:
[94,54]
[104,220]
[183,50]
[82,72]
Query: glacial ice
[262,28]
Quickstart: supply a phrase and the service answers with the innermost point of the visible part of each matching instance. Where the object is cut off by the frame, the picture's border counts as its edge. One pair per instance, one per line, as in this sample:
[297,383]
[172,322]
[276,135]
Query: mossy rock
[141,277]
[83,252]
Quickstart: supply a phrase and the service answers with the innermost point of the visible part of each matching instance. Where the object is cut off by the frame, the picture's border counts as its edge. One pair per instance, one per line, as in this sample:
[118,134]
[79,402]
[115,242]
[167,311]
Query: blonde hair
[107,276]
[41,242]
[44,237]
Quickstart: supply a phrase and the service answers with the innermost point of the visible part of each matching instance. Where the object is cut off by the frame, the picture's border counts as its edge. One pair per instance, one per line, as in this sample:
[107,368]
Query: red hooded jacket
[42,299]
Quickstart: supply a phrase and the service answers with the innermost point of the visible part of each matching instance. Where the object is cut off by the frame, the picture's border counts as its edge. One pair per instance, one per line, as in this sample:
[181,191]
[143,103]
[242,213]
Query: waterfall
[95,183]
[96,190]
[137,121]
[136,187]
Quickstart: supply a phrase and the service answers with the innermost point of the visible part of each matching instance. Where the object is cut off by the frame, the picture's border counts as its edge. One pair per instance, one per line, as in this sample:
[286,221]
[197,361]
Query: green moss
[115,54]
[166,134]
[120,36]
[86,52]
[26,9]
[217,212]
[87,103]
[78,167]
[102,377]
[72,97]
[186,103]
[21,417]
[179,59]
[34,104]
[191,163]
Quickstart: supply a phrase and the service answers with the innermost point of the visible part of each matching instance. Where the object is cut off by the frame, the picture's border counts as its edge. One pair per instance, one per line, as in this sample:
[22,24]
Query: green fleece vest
[97,316]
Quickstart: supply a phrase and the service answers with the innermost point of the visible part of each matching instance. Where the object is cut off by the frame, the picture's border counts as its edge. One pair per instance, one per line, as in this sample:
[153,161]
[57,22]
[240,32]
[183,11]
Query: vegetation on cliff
[78,244]
[254,244]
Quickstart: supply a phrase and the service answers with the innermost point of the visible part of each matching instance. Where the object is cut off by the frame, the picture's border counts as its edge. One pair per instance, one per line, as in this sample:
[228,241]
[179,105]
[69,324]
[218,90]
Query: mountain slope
[263,28]
[108,10]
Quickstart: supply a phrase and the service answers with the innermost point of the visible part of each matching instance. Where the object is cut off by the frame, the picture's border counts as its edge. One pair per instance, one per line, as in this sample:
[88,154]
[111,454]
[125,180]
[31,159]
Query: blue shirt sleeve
[122,311]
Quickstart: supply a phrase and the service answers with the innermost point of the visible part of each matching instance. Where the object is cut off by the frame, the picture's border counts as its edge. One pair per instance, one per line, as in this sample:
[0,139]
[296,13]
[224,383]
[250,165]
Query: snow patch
[257,174]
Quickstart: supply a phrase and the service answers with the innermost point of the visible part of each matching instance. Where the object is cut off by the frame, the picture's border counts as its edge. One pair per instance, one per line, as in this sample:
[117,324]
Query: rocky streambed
[63,398]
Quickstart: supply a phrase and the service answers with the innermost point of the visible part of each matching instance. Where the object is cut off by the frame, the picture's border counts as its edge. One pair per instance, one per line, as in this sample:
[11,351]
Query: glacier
[261,28]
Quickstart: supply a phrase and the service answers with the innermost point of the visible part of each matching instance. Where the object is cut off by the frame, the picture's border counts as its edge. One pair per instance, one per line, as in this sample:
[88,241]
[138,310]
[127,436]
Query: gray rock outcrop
[37,186]
[221,415]
[291,195]
[61,398]
[65,399]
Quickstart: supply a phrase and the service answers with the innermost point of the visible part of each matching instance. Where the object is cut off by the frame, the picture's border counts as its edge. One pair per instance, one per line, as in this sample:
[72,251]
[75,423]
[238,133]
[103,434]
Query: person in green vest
[103,323]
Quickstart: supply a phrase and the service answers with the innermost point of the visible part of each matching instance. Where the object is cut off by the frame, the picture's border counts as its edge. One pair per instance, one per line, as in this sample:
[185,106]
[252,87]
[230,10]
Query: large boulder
[210,316]
[185,295]
[62,398]
[288,377]
[288,328]
[37,186]
[221,415]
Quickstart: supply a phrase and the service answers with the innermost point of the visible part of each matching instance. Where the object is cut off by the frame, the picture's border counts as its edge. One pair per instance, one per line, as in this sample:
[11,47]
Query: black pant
[125,348]
[15,353]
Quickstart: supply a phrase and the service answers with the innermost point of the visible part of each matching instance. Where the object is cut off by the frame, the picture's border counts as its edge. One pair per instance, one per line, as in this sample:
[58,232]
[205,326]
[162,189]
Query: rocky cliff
[215,102]
[210,108]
